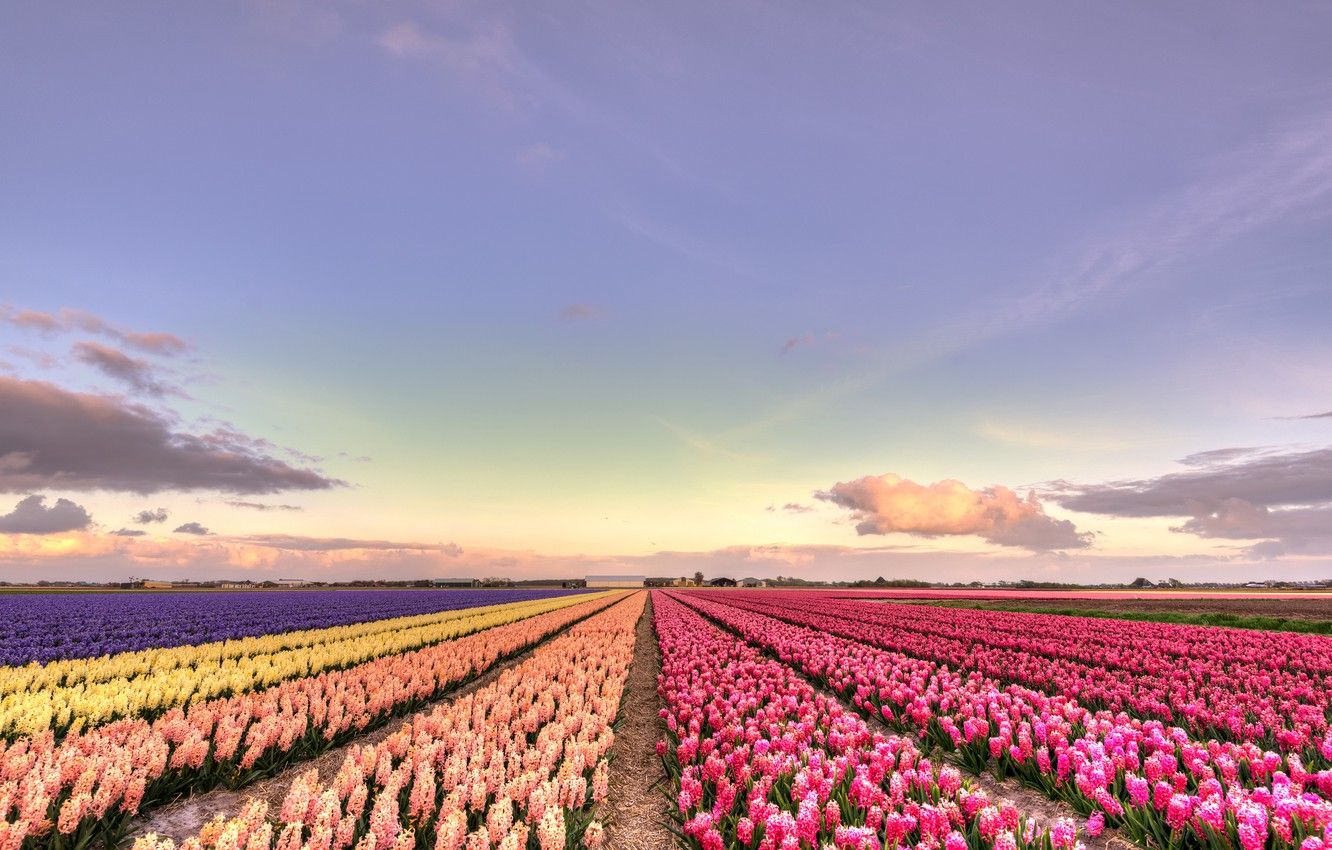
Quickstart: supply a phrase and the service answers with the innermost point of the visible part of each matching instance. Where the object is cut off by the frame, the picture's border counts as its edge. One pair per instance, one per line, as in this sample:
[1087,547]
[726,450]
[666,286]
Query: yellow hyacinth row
[73,694]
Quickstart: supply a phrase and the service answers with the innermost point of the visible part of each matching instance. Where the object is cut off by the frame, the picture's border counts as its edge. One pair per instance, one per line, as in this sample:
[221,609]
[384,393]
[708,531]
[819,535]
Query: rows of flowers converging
[1273,688]
[519,763]
[56,626]
[1151,780]
[760,760]
[74,694]
[64,793]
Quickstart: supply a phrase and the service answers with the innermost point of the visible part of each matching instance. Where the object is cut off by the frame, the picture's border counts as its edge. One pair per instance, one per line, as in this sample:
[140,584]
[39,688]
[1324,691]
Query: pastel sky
[433,289]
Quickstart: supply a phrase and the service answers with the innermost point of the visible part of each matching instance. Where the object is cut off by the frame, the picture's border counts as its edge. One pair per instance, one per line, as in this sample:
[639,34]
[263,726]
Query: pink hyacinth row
[760,760]
[1150,779]
[518,763]
[63,794]
[1271,688]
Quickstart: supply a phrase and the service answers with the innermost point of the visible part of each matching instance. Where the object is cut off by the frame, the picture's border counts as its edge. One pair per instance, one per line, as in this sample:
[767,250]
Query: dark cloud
[128,532]
[52,437]
[1327,415]
[136,373]
[1265,477]
[793,507]
[1230,494]
[330,544]
[145,517]
[887,504]
[259,506]
[31,516]
[796,342]
[191,528]
[580,312]
[68,320]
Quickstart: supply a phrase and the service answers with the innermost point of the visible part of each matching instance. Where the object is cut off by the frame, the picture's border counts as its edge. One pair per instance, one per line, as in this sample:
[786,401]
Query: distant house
[616,581]
[751,582]
[722,582]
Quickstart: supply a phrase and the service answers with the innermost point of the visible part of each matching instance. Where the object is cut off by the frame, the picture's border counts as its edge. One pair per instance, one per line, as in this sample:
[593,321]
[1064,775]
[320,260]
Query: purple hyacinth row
[42,627]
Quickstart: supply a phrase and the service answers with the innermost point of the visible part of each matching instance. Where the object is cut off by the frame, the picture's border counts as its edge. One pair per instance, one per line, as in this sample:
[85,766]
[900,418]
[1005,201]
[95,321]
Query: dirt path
[636,810]
[185,817]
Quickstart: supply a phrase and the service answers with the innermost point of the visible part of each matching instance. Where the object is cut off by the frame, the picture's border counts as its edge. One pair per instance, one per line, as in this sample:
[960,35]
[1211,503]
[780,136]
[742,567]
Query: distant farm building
[616,581]
[158,585]
[293,582]
[722,582]
[454,582]
[751,582]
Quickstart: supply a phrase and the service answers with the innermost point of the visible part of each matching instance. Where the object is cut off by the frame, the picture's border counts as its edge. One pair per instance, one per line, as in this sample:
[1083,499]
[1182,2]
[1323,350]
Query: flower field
[1081,711]
[68,791]
[516,764]
[73,694]
[786,720]
[49,627]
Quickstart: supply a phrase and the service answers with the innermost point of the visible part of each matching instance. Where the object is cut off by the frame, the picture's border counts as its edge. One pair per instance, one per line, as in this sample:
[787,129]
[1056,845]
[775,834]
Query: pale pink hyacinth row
[89,784]
[1150,780]
[518,763]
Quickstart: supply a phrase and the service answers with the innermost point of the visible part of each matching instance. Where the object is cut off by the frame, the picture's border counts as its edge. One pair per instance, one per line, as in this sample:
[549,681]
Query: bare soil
[636,811]
[1295,608]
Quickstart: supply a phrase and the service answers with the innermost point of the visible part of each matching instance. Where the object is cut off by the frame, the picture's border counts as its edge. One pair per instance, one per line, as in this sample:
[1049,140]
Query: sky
[418,289]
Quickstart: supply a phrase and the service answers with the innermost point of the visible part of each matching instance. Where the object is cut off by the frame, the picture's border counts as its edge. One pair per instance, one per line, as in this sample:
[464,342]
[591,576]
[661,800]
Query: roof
[615,578]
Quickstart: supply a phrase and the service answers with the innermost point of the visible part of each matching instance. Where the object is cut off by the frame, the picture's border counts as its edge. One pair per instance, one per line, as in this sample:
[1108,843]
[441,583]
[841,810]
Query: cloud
[31,516]
[330,544]
[136,373]
[68,320]
[1258,476]
[792,507]
[1246,493]
[144,517]
[191,528]
[129,532]
[580,313]
[1237,519]
[52,437]
[887,504]
[259,506]
[80,555]
[538,155]
[1327,415]
[796,342]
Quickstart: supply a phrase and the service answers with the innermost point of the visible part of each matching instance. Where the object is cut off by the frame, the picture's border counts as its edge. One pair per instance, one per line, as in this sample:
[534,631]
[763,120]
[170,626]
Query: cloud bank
[1239,493]
[31,516]
[887,504]
[68,320]
[332,544]
[55,438]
